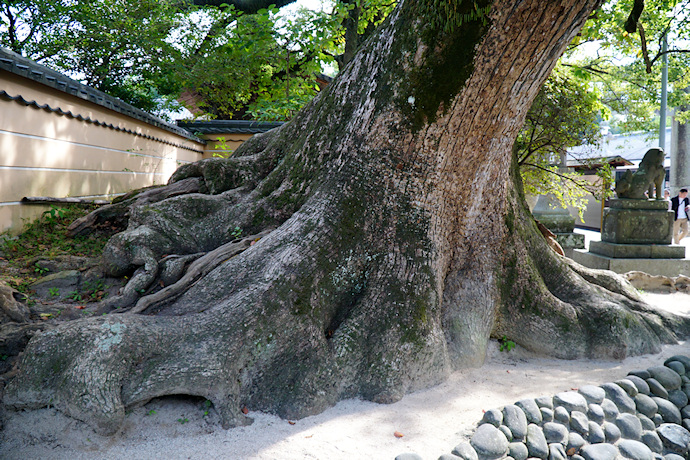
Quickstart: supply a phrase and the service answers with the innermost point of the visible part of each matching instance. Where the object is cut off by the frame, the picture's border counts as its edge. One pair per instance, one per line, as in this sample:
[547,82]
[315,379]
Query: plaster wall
[90,152]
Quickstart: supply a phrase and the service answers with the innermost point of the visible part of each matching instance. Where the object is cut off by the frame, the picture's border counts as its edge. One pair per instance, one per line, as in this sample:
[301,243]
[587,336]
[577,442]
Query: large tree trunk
[401,243]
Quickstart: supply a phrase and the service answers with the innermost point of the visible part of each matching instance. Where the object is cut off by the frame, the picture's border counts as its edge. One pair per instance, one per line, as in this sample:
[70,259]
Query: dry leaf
[307,437]
[398,434]
[245,411]
[80,307]
[291,422]
[571,451]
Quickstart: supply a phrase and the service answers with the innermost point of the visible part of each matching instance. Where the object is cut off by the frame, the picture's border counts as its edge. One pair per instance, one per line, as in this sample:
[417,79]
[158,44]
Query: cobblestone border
[645,416]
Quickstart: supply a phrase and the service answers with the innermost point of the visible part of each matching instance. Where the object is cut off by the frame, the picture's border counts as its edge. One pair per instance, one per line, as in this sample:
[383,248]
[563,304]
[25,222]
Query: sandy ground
[432,421]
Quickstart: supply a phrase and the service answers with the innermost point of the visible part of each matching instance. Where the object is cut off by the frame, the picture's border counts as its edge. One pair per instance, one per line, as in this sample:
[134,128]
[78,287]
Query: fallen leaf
[252,243]
[307,437]
[161,283]
[571,451]
[291,422]
[398,434]
[508,372]
[80,307]
[245,411]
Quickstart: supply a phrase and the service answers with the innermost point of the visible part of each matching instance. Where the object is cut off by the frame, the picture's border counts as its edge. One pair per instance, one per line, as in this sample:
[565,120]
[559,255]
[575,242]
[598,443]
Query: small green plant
[236,232]
[207,407]
[183,420]
[53,214]
[226,150]
[151,412]
[75,295]
[54,291]
[506,344]
[40,270]
[4,357]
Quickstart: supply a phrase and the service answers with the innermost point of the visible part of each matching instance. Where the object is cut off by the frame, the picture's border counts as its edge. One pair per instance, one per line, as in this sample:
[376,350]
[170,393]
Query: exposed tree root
[197,269]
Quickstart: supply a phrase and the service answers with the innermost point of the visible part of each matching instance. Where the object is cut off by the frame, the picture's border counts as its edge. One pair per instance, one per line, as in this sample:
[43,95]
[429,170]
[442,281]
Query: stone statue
[650,174]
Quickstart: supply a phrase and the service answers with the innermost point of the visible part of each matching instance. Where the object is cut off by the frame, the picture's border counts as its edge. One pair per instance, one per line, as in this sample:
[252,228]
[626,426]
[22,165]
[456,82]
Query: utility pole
[664,95]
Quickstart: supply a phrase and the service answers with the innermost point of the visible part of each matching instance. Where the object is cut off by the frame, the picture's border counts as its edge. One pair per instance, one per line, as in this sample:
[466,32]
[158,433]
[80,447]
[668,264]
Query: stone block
[663,267]
[637,251]
[625,203]
[624,225]
[556,222]
[571,240]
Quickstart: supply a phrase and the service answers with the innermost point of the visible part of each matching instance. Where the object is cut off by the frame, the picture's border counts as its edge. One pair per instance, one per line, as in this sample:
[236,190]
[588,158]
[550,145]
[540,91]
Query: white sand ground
[432,421]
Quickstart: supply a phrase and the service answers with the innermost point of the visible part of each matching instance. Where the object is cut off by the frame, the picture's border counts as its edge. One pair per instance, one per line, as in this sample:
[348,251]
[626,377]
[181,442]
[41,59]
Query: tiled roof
[228,126]
[19,65]
[630,146]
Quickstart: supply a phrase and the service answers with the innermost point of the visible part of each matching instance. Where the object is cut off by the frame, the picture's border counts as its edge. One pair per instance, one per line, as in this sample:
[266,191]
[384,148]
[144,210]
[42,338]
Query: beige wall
[43,153]
[216,146]
[592,214]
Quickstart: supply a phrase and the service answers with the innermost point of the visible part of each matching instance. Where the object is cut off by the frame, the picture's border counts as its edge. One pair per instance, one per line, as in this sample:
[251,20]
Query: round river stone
[610,410]
[493,416]
[515,419]
[630,426]
[536,442]
[666,377]
[674,437]
[596,434]
[678,397]
[465,451]
[593,394]
[641,385]
[628,386]
[599,452]
[531,410]
[489,442]
[635,450]
[652,440]
[677,367]
[620,398]
[645,405]
[595,413]
[656,388]
[555,432]
[571,401]
[669,412]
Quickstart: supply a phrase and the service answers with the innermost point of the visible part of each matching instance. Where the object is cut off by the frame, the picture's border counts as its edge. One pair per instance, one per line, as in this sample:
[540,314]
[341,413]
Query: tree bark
[401,242]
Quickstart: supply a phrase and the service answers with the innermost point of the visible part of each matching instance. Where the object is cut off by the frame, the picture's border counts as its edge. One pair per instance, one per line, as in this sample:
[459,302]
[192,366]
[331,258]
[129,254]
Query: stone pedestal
[637,222]
[636,235]
[548,211]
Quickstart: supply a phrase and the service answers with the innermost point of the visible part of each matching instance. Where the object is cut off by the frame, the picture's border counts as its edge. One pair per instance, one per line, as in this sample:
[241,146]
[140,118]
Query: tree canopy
[223,59]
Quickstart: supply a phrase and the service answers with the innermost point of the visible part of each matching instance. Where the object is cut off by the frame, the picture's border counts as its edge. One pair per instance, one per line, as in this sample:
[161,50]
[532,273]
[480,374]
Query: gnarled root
[197,270]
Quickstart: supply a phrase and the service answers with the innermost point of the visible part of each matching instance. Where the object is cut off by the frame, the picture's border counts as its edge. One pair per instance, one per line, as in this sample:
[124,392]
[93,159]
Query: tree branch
[577,183]
[246,6]
[645,53]
[632,21]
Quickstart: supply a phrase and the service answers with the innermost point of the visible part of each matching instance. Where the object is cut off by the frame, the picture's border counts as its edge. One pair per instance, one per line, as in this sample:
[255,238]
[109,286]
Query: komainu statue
[647,178]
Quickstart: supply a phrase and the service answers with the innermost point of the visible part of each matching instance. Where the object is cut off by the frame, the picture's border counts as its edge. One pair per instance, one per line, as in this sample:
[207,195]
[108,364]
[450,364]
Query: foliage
[114,46]
[47,238]
[505,344]
[626,66]
[565,114]
[258,66]
[223,62]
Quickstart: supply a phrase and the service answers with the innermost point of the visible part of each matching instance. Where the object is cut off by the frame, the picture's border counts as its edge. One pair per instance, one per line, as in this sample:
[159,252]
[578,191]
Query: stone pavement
[645,416]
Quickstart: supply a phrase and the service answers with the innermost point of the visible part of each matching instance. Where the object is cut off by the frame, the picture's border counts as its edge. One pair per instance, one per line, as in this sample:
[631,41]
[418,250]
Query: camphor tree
[393,242]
